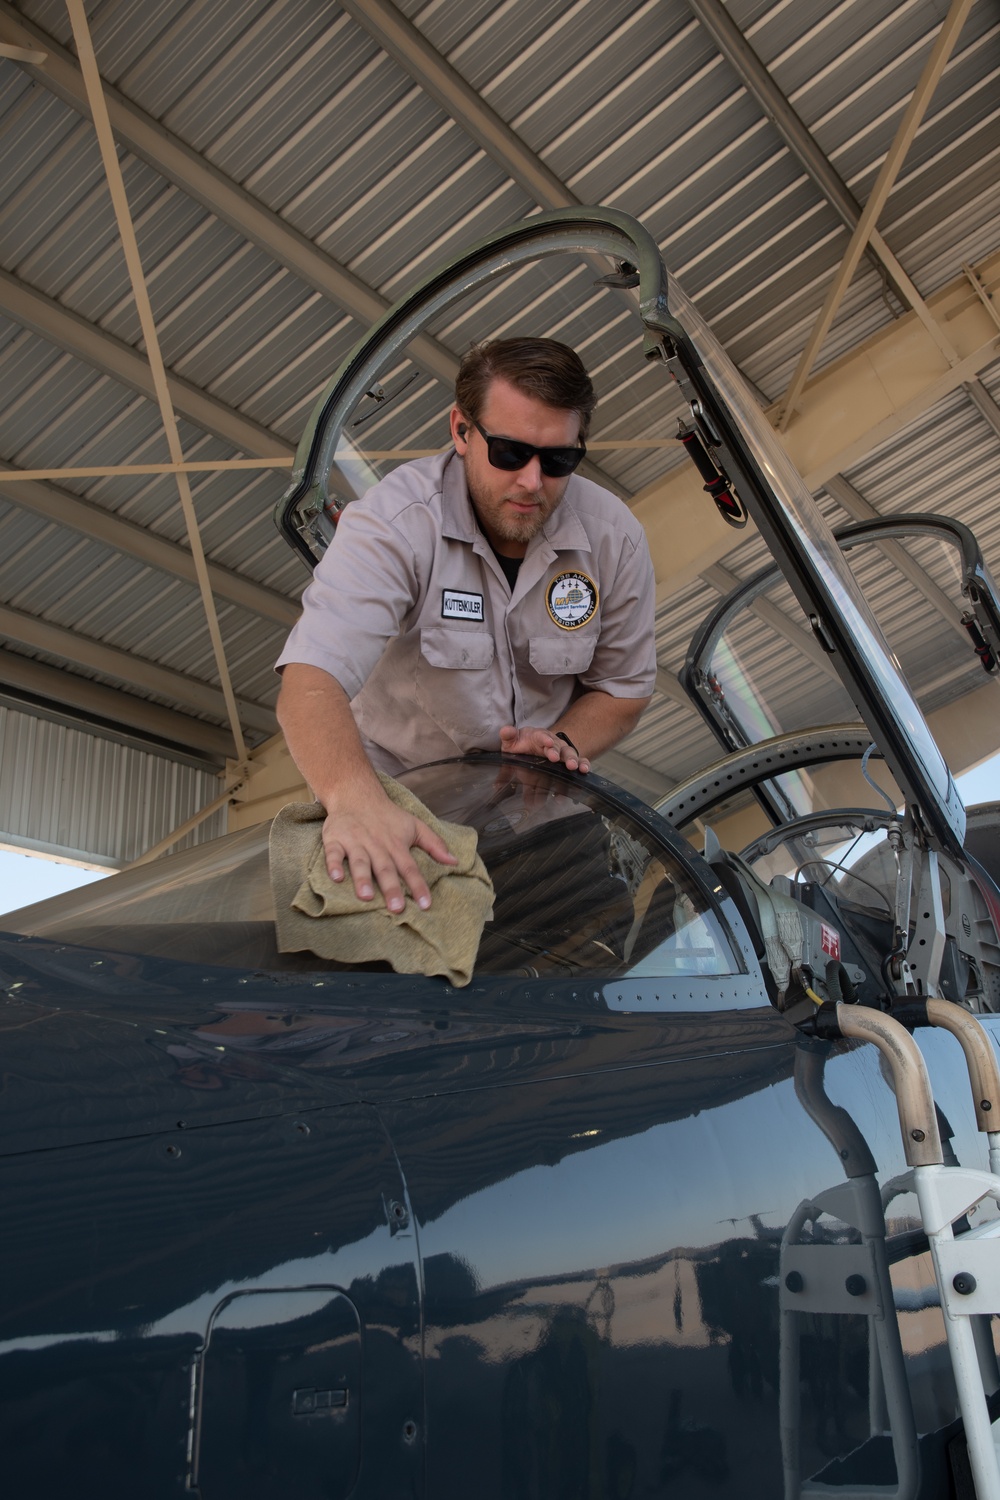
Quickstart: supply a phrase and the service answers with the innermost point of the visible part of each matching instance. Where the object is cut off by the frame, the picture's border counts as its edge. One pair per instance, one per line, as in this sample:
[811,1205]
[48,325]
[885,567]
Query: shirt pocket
[568,657]
[454,685]
[456,650]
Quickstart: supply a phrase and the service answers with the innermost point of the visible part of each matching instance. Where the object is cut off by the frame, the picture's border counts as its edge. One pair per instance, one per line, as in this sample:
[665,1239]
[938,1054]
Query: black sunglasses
[508,453]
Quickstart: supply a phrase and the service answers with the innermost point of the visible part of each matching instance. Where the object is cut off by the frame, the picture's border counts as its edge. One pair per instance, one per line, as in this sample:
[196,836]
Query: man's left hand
[543,742]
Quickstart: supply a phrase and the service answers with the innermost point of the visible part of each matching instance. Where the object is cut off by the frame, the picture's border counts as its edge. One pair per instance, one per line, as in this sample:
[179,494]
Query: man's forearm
[365,832]
[596,721]
[315,714]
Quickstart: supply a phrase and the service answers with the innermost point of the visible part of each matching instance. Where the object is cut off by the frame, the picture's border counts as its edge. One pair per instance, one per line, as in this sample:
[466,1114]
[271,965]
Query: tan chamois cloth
[319,914]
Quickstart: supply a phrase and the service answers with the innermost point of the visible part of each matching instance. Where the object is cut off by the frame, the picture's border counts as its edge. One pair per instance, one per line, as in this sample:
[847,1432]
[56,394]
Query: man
[480,600]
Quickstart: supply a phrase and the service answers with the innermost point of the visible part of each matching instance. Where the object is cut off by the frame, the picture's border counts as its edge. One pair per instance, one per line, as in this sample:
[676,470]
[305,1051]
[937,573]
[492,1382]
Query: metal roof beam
[56,640]
[100,349]
[424,63]
[100,525]
[616,764]
[177,162]
[65,690]
[982,291]
[188,826]
[723,581]
[760,85]
[168,155]
[984,403]
[670,687]
[69,331]
[853,406]
[408,46]
[860,509]
[906,131]
[151,338]
[397,36]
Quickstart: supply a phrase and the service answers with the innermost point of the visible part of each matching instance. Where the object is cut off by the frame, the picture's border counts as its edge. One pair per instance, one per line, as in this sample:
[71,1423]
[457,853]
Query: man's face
[512,506]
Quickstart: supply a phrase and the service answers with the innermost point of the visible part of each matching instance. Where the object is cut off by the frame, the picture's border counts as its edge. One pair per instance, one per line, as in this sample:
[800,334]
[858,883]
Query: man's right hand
[367,834]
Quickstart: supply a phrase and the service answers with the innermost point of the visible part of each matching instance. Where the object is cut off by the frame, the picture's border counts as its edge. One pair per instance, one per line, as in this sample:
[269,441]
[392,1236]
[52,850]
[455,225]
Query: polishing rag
[325,917]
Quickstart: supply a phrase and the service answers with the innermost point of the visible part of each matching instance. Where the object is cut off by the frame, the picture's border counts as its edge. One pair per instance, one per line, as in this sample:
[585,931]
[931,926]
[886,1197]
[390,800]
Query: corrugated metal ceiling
[66,791]
[629,103]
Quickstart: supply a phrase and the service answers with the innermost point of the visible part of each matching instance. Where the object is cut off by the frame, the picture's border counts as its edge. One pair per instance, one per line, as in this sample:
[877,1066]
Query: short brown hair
[543,368]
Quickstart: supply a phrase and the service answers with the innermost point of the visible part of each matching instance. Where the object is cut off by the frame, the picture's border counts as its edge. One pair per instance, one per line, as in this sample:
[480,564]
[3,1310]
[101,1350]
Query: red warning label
[830,940]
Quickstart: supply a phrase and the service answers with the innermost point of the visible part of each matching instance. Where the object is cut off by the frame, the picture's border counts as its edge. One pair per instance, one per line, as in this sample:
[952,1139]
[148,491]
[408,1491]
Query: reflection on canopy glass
[581,888]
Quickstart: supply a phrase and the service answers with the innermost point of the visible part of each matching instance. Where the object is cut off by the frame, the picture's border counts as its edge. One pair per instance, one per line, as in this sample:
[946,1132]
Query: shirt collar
[563,531]
[458,520]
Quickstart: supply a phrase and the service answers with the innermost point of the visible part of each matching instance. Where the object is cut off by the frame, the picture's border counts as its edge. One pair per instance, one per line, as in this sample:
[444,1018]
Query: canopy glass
[581,887]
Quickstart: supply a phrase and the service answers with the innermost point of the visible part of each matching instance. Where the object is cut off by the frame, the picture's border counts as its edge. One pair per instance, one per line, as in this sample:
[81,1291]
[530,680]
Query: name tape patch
[459,606]
[571,600]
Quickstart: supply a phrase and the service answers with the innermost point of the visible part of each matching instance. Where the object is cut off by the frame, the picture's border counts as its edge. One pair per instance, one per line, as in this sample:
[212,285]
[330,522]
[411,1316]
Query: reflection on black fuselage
[512,1238]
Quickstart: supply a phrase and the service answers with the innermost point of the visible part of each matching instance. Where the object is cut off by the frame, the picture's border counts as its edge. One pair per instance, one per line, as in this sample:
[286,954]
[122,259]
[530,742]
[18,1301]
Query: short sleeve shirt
[411,613]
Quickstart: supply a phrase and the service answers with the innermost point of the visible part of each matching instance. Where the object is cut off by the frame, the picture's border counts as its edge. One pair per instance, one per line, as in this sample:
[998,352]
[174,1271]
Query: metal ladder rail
[967,1270]
[981,1061]
[984,1080]
[844,1279]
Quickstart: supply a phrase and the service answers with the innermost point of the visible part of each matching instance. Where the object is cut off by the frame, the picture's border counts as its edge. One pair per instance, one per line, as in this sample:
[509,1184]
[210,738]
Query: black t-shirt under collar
[511,565]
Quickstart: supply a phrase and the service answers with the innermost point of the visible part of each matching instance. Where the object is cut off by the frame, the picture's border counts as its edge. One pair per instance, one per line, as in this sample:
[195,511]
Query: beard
[506,524]
[513,528]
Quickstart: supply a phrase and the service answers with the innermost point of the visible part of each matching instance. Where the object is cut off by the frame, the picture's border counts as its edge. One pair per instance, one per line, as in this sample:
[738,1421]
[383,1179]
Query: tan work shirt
[411,613]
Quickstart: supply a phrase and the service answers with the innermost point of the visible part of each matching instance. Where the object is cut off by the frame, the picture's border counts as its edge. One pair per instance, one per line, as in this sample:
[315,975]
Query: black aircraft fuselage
[603,1225]
[382,1238]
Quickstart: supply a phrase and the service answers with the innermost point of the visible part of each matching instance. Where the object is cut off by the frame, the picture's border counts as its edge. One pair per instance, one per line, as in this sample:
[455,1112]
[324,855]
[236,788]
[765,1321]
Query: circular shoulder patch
[571,600]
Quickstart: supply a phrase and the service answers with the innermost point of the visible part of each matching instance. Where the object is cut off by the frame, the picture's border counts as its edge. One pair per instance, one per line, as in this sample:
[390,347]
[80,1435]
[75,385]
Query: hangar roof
[292,166]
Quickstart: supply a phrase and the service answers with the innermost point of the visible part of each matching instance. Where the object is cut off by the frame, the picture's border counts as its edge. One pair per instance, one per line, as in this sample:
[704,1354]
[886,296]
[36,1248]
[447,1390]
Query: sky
[25,878]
